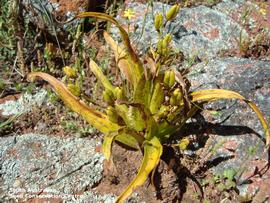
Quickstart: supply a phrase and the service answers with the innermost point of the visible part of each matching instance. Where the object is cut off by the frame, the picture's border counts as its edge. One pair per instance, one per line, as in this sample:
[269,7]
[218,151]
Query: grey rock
[23,104]
[62,167]
[198,31]
[236,126]
[249,77]
[208,32]
[229,6]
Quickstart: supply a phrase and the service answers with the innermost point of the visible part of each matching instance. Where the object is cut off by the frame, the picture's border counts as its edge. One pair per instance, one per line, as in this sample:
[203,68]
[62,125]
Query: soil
[173,180]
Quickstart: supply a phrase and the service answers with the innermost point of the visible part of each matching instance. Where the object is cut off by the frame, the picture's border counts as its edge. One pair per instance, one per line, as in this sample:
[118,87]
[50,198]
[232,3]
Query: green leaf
[130,69]
[100,76]
[131,115]
[142,93]
[157,98]
[152,128]
[130,138]
[152,153]
[165,130]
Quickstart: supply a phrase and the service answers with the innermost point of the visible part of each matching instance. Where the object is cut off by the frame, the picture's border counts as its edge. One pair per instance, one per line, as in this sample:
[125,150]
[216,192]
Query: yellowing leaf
[136,63]
[123,32]
[107,144]
[95,118]
[130,138]
[120,57]
[136,118]
[157,98]
[131,115]
[132,71]
[100,76]
[142,93]
[216,94]
[152,153]
[125,136]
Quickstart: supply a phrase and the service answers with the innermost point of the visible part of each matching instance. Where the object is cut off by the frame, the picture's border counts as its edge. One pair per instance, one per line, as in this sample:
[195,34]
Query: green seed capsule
[179,96]
[183,144]
[112,114]
[176,92]
[108,96]
[170,116]
[172,78]
[158,21]
[166,41]
[74,89]
[173,100]
[166,79]
[171,14]
[70,72]
[119,93]
[163,111]
[159,47]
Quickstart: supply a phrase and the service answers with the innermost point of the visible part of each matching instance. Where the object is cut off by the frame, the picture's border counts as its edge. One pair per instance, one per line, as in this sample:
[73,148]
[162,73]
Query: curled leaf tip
[152,153]
[31,77]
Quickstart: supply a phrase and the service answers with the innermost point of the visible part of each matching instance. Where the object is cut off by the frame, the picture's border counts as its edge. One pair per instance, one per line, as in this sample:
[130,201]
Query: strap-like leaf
[100,76]
[131,115]
[107,144]
[133,56]
[132,71]
[142,93]
[124,34]
[157,98]
[94,117]
[152,153]
[130,138]
[125,136]
[216,94]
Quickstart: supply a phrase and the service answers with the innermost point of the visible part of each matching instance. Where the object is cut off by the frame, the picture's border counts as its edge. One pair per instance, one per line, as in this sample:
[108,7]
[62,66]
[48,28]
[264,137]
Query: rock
[255,15]
[229,6]
[198,31]
[202,31]
[39,166]
[207,32]
[235,127]
[23,104]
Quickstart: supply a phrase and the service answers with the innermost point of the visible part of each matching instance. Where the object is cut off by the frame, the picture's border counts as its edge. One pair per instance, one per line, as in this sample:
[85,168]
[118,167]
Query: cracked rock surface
[198,31]
[64,168]
[25,103]
[236,125]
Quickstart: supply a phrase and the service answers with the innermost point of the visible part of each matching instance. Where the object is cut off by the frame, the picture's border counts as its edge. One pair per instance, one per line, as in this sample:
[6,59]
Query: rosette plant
[153,102]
